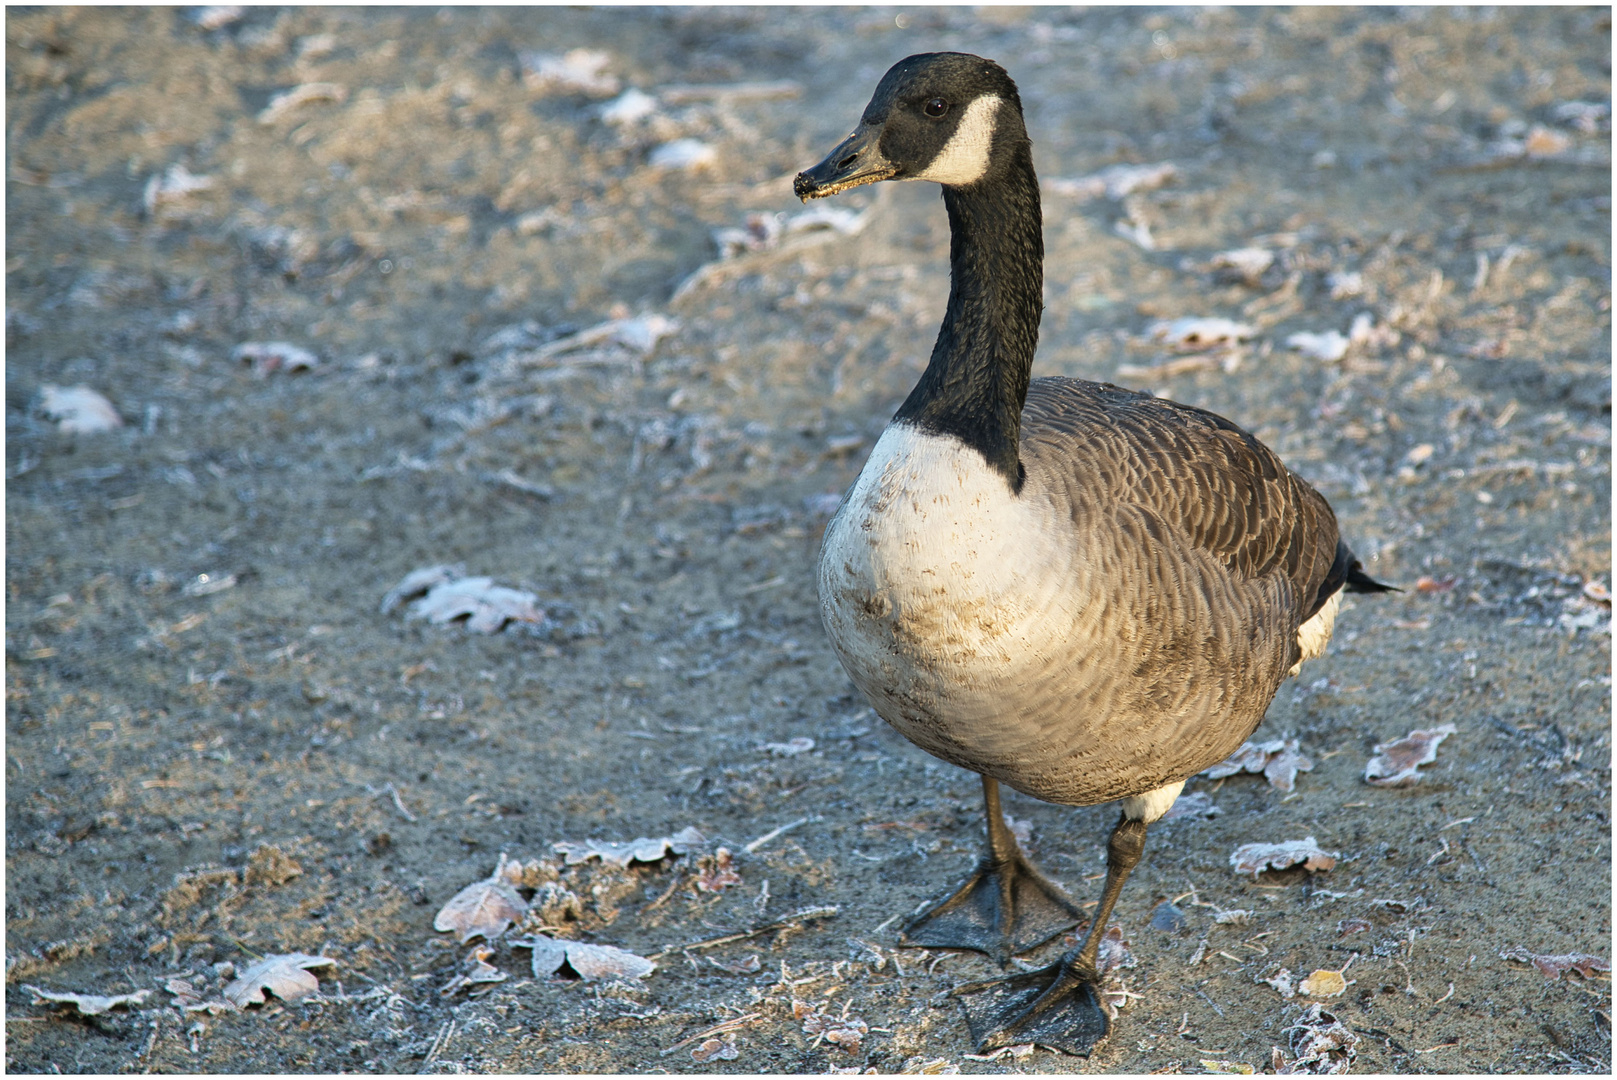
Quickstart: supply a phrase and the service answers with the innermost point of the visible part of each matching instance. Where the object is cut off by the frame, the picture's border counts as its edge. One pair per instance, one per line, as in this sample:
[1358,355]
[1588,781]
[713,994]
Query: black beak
[856,160]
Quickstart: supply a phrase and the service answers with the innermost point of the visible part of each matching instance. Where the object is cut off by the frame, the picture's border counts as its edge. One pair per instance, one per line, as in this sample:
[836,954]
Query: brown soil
[197,777]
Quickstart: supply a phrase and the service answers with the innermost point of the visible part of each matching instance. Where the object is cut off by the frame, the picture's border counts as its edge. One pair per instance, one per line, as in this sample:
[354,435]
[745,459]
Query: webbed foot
[1051,1007]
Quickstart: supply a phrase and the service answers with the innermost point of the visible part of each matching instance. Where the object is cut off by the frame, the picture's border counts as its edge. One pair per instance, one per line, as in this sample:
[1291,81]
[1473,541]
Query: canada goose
[1087,593]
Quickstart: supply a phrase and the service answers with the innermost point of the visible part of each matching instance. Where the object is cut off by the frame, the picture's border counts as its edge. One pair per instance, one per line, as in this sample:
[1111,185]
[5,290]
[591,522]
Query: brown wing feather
[1210,483]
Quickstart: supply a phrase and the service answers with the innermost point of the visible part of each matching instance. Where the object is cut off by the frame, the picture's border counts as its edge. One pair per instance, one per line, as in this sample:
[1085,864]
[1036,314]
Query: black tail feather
[1358,581]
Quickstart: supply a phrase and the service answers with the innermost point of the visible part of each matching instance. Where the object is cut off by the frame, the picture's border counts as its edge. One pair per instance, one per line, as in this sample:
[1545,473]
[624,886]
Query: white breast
[941,591]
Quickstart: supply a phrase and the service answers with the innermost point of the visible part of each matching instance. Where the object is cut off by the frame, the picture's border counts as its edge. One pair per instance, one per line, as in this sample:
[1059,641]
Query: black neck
[976,382]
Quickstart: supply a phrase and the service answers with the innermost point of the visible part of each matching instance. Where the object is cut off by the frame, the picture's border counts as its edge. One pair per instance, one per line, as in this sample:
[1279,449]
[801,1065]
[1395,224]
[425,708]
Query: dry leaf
[1282,983]
[78,410]
[592,962]
[1113,951]
[629,108]
[717,872]
[1585,964]
[487,606]
[1320,1043]
[1396,762]
[285,975]
[1325,983]
[683,154]
[1114,181]
[1279,760]
[845,1032]
[1196,334]
[417,582]
[1351,926]
[299,96]
[173,186]
[578,70]
[799,745]
[477,970]
[1247,263]
[1328,347]
[1255,858]
[640,849]
[750,966]
[482,909]
[1227,1068]
[191,998]
[269,356]
[715,1050]
[920,1065]
[88,1004]
[1425,584]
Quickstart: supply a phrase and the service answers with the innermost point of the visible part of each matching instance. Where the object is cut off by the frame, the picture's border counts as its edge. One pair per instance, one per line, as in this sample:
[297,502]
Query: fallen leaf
[1328,347]
[1279,760]
[173,186]
[299,96]
[1320,1044]
[417,582]
[716,872]
[579,70]
[190,998]
[1114,181]
[592,963]
[1351,926]
[1196,334]
[78,410]
[1396,762]
[715,1050]
[640,849]
[920,1065]
[1248,263]
[750,966]
[1255,858]
[486,606]
[1197,804]
[477,969]
[799,745]
[1113,951]
[683,154]
[1543,142]
[1227,1068]
[1585,964]
[87,1004]
[629,108]
[1282,983]
[1424,584]
[482,909]
[270,356]
[1325,983]
[286,975]
[845,1032]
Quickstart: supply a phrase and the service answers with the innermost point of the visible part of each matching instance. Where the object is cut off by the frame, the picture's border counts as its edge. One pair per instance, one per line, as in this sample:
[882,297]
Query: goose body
[1103,632]
[1084,592]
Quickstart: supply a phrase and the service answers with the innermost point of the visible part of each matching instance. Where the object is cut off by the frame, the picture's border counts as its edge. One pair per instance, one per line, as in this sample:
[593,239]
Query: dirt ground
[219,748]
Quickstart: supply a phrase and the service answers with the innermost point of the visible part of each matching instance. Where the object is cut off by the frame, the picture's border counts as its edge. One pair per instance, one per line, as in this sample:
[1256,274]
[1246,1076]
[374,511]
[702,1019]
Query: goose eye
[936,107]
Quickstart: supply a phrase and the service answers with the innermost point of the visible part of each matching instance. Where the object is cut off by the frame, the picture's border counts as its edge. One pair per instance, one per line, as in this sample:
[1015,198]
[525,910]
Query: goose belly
[950,603]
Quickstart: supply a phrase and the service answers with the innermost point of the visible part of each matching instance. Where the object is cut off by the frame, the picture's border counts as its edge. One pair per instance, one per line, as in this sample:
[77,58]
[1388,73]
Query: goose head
[951,118]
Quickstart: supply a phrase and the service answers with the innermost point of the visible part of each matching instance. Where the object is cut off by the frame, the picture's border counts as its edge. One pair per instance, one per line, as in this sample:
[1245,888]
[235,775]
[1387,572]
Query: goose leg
[1057,1006]
[1007,906]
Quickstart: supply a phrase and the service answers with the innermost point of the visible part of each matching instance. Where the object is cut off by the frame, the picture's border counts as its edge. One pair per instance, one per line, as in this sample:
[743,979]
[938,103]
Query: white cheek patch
[964,159]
